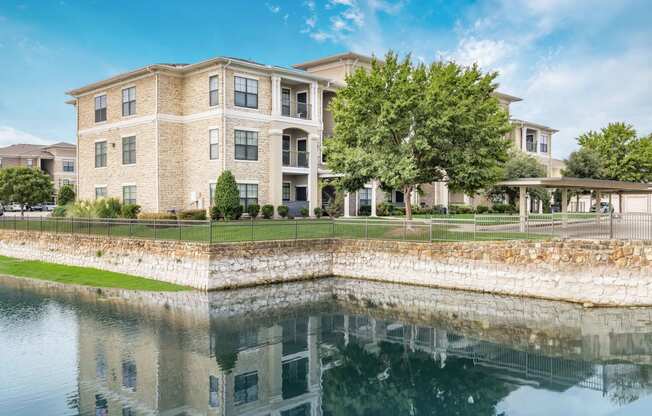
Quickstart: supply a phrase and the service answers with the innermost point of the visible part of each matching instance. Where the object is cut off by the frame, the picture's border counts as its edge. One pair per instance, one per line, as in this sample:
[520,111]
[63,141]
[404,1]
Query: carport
[598,186]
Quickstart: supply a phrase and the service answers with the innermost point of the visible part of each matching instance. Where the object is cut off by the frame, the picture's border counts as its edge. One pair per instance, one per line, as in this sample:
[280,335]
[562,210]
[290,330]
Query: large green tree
[519,166]
[582,163]
[408,124]
[25,186]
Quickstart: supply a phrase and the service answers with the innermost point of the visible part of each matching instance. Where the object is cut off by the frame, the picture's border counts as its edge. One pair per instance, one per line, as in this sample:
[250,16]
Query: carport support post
[598,201]
[374,193]
[611,220]
[564,207]
[346,205]
[522,211]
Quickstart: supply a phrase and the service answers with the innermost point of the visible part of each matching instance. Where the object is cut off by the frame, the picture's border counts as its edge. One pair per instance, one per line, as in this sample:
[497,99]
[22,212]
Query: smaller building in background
[57,160]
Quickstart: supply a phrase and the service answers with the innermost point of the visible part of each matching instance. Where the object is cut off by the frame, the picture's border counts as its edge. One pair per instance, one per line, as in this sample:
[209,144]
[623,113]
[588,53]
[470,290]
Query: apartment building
[160,135]
[57,160]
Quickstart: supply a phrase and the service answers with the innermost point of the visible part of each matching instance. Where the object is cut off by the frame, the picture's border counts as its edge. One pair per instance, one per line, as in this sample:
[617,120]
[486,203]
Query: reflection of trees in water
[396,382]
[627,382]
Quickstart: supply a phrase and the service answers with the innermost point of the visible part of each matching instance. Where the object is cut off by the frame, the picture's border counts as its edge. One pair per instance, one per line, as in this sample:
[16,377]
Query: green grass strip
[85,276]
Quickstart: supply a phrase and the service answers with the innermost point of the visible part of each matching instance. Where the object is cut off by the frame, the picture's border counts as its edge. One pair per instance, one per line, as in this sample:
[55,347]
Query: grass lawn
[81,276]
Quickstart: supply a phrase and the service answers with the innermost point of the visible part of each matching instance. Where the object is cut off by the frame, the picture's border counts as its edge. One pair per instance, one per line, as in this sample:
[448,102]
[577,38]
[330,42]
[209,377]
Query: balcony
[296,159]
[296,109]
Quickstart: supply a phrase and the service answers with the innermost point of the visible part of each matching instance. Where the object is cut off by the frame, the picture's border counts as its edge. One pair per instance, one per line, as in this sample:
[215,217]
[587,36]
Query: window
[301,193]
[212,91]
[129,374]
[248,194]
[129,194]
[246,92]
[213,391]
[246,145]
[129,150]
[286,191]
[301,410]
[101,406]
[128,411]
[100,192]
[65,181]
[246,388]
[286,150]
[398,197]
[100,108]
[129,101]
[100,154]
[213,143]
[530,144]
[364,196]
[68,165]
[211,193]
[285,102]
[543,143]
[302,104]
[295,378]
[30,162]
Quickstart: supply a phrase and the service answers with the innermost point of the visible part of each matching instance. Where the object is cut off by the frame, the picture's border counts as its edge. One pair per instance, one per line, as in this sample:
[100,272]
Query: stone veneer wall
[598,272]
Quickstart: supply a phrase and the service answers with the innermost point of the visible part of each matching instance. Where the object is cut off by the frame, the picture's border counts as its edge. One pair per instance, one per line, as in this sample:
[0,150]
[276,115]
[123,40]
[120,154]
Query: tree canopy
[26,186]
[408,124]
[519,166]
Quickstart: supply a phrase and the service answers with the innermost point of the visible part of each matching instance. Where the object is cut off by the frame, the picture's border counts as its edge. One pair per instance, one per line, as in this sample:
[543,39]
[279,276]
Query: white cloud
[273,8]
[10,135]
[320,36]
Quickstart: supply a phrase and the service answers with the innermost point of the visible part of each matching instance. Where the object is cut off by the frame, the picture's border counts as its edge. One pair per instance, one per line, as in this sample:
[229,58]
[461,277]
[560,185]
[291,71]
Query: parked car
[604,208]
[2,211]
[36,207]
[49,207]
[13,207]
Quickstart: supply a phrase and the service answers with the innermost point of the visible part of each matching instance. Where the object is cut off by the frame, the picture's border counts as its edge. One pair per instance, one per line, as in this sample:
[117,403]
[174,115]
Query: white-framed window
[30,162]
[100,154]
[246,388]
[100,192]
[246,145]
[213,391]
[129,101]
[246,92]
[302,104]
[213,97]
[364,197]
[530,140]
[287,186]
[100,108]
[248,194]
[213,143]
[68,165]
[129,150]
[543,143]
[129,194]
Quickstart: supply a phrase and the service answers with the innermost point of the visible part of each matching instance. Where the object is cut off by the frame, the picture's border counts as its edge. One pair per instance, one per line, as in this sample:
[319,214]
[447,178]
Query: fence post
[296,229]
[210,231]
[430,230]
[332,227]
[89,225]
[553,224]
[475,226]
[366,228]
[252,229]
[404,230]
[72,225]
[130,222]
[179,227]
[56,226]
[15,219]
[611,220]
[41,223]
[108,228]
[154,229]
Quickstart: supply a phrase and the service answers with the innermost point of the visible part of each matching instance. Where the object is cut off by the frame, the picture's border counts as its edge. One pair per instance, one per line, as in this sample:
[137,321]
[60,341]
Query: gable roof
[26,150]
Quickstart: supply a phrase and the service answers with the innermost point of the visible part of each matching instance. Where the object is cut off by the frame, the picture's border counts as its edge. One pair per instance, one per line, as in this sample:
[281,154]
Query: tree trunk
[407,197]
[22,209]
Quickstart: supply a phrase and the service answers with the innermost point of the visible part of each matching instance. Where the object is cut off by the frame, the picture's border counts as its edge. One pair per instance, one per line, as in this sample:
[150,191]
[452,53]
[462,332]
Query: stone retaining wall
[598,272]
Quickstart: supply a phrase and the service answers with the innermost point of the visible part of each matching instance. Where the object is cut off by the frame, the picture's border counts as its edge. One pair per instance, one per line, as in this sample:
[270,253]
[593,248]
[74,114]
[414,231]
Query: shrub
[364,210]
[60,211]
[336,206]
[66,195]
[253,210]
[481,209]
[107,208]
[267,211]
[460,209]
[215,213]
[227,196]
[439,209]
[385,209]
[282,210]
[192,214]
[157,216]
[503,209]
[318,212]
[304,212]
[399,211]
[130,211]
[237,212]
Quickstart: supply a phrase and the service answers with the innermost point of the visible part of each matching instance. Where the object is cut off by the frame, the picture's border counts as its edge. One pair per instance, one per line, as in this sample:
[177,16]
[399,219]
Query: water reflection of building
[279,363]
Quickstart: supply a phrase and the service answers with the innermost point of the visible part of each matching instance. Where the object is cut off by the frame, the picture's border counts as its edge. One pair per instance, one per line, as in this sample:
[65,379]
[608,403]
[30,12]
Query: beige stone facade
[185,120]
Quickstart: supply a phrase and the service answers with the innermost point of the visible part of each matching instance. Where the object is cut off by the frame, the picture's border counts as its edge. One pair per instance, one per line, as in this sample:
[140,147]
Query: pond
[333,347]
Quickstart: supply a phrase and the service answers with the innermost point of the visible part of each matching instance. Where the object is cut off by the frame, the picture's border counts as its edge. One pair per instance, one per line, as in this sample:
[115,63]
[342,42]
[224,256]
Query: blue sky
[578,64]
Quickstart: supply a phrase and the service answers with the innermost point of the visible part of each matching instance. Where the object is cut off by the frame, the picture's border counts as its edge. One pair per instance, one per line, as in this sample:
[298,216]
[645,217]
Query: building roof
[581,183]
[25,150]
[531,124]
[333,58]
[507,97]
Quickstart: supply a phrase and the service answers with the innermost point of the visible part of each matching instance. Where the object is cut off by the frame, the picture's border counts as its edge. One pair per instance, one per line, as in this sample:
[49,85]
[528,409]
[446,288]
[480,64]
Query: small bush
[267,211]
[304,212]
[192,214]
[398,211]
[503,209]
[439,209]
[460,209]
[66,195]
[60,211]
[282,210]
[481,209]
[237,212]
[385,209]
[364,210]
[108,208]
[156,216]
[318,212]
[215,213]
[130,210]
[253,210]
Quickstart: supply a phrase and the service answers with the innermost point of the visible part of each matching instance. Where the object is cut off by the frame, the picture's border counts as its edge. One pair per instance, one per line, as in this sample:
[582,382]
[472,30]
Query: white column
[374,187]
[314,101]
[346,205]
[313,176]
[356,204]
[275,167]
[564,207]
[276,95]
[522,207]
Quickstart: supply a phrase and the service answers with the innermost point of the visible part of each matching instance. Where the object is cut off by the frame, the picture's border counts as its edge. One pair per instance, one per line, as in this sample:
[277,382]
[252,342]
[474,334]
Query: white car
[49,207]
[13,207]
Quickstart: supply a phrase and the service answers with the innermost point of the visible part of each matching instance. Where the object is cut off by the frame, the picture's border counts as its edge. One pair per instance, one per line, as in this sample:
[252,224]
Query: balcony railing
[296,109]
[296,159]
